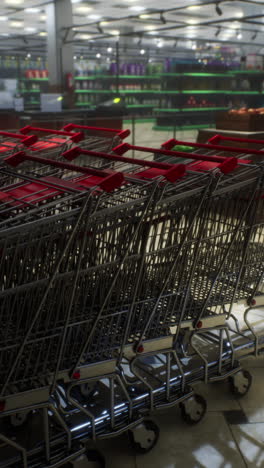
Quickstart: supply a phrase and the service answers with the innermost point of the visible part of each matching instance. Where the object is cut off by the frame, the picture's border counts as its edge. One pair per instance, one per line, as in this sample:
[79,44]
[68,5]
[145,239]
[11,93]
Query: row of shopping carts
[120,269]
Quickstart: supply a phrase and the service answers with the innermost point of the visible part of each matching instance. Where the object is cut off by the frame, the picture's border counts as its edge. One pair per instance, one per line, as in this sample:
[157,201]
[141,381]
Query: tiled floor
[219,441]
[231,434]
[144,135]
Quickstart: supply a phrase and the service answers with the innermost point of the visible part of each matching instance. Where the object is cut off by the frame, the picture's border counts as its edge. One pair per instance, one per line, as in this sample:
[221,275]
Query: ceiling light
[235,25]
[144,16]
[239,35]
[152,32]
[104,23]
[98,55]
[32,10]
[28,55]
[114,32]
[14,2]
[83,9]
[150,27]
[94,17]
[43,17]
[29,29]
[192,21]
[16,24]
[84,36]
[3,18]
[218,9]
[159,44]
[76,1]
[109,50]
[137,8]
[42,33]
[193,7]
[239,14]
[142,51]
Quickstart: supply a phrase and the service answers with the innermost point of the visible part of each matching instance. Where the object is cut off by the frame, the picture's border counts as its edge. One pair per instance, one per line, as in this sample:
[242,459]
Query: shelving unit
[178,94]
[31,88]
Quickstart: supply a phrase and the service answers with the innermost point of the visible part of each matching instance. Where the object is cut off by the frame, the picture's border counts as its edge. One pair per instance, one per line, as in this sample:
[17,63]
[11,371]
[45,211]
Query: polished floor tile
[206,445]
[250,439]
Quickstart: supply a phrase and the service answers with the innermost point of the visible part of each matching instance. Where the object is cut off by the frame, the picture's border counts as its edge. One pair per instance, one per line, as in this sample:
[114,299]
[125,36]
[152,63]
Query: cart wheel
[144,437]
[193,409]
[88,389]
[18,420]
[240,383]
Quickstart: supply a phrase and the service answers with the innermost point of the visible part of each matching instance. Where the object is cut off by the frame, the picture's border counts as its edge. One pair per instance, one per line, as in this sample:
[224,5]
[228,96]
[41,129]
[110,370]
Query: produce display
[245,110]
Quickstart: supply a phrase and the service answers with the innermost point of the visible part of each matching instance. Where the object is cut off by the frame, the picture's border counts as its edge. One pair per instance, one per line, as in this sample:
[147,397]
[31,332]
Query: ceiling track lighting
[218,9]
[175,44]
[254,36]
[162,18]
[217,32]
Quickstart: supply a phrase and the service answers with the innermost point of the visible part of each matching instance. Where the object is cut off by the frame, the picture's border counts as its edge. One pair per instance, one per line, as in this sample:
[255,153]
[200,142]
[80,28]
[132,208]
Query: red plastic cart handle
[227,164]
[122,134]
[111,180]
[173,171]
[76,137]
[171,143]
[217,138]
[27,141]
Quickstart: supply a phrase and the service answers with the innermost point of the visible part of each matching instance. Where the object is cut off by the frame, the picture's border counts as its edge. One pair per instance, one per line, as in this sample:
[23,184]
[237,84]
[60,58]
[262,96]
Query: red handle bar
[173,171]
[227,164]
[121,133]
[76,137]
[111,180]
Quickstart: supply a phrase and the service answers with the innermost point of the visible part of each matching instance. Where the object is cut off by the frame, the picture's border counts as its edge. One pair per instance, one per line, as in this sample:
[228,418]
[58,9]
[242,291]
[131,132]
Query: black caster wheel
[240,383]
[144,437]
[88,390]
[17,421]
[193,409]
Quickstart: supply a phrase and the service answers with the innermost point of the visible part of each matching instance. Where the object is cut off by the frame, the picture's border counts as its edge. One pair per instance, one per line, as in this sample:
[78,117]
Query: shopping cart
[139,269]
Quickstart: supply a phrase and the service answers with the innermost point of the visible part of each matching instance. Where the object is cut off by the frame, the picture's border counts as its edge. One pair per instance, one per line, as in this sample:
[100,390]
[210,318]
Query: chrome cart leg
[144,437]
[193,409]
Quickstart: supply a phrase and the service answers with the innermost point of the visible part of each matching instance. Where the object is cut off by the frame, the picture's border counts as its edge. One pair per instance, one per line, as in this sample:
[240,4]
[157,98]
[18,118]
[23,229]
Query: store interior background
[161,69]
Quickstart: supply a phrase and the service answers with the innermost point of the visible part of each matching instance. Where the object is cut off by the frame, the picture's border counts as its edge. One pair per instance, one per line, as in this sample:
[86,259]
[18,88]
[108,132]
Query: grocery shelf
[197,74]
[34,79]
[94,91]
[113,77]
[31,91]
[138,120]
[204,91]
[249,72]
[191,109]
[171,128]
[134,106]
[244,92]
